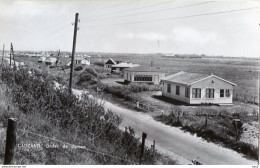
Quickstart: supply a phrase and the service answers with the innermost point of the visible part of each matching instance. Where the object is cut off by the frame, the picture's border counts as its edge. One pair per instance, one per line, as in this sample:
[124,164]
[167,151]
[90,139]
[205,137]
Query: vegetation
[44,109]
[213,126]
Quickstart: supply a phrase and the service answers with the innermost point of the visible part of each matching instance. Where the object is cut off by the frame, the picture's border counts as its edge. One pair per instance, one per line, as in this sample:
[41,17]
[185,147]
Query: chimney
[152,63]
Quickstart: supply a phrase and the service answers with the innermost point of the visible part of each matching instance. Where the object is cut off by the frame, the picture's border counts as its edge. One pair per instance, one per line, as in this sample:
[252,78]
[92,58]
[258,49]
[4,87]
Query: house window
[196,93]
[227,93]
[169,88]
[209,93]
[187,92]
[177,90]
[222,92]
[143,78]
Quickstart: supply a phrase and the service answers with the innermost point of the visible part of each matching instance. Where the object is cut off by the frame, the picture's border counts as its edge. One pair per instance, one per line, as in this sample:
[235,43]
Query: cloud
[190,35]
[151,36]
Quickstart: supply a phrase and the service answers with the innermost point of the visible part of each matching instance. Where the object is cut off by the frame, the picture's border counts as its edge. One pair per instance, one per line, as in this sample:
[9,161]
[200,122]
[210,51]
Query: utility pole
[12,50]
[73,49]
[3,54]
[11,55]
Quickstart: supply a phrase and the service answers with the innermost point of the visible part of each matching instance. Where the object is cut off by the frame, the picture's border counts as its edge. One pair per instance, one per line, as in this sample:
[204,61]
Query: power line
[124,11]
[115,5]
[57,30]
[154,11]
[177,18]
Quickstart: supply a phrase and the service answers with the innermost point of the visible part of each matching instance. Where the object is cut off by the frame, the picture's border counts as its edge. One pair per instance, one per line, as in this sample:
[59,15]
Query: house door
[156,79]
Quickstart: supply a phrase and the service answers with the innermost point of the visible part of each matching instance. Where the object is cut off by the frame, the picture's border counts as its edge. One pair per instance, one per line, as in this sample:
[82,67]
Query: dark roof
[190,78]
[110,61]
[144,69]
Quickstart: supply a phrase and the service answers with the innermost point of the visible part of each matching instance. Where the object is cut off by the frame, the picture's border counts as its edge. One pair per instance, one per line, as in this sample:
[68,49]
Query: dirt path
[172,141]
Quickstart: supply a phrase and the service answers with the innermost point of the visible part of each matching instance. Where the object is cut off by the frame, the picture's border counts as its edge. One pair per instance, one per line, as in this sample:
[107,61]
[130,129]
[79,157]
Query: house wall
[217,85]
[172,94]
[129,76]
[107,66]
[203,85]
[85,62]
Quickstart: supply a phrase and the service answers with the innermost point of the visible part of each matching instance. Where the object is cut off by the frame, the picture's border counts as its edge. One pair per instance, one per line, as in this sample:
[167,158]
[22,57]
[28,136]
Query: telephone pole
[3,54]
[11,55]
[73,49]
[12,50]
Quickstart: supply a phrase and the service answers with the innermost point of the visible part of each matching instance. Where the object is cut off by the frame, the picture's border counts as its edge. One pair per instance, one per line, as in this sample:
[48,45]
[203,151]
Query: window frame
[197,94]
[210,93]
[223,94]
[187,92]
[227,93]
[177,92]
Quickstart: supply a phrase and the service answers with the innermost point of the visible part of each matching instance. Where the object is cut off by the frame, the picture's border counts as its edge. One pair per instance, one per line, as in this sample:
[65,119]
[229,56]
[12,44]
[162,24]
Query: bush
[93,126]
[78,68]
[99,63]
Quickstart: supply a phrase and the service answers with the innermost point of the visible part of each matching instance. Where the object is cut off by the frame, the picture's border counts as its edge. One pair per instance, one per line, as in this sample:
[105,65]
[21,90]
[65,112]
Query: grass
[43,110]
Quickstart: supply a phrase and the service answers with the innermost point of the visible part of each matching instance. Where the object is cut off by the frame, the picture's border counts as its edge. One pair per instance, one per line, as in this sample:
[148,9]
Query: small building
[194,88]
[85,61]
[79,60]
[42,59]
[142,74]
[51,61]
[110,62]
[122,66]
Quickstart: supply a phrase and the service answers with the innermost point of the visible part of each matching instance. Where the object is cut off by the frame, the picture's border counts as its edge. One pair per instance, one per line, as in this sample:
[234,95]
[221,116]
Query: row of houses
[53,61]
[190,88]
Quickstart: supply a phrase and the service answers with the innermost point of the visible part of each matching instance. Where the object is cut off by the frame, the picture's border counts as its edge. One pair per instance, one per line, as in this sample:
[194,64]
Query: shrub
[78,68]
[93,126]
[99,63]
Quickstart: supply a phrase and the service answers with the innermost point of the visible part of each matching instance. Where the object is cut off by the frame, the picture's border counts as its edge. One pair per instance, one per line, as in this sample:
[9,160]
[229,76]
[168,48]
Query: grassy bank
[31,97]
[214,127]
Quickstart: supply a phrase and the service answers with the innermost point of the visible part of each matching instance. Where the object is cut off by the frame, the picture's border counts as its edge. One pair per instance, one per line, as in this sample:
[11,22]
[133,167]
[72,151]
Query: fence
[11,134]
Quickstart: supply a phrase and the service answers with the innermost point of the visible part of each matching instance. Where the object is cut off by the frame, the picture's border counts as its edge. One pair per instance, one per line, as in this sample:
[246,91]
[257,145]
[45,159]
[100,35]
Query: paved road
[178,145]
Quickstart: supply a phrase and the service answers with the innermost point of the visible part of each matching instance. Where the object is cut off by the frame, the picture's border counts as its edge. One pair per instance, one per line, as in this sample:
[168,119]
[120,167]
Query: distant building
[122,66]
[193,88]
[79,60]
[51,61]
[142,74]
[109,63]
[42,59]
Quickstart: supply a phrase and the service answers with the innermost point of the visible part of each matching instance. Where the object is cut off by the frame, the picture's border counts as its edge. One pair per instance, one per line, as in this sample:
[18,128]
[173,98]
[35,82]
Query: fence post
[206,122]
[137,104]
[153,147]
[10,141]
[142,147]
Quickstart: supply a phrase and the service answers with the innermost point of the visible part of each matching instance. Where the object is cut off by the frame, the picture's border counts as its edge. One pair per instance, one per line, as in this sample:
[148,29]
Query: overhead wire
[176,18]
[154,11]
[132,9]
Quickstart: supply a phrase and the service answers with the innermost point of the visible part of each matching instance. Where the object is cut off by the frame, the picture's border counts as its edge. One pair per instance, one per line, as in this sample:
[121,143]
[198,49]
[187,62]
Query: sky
[229,28]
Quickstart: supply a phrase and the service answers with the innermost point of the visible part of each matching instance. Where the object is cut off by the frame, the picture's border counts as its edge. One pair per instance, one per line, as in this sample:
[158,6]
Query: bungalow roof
[191,78]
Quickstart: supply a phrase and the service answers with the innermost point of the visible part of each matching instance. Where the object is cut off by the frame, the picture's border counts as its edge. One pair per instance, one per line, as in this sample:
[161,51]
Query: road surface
[172,141]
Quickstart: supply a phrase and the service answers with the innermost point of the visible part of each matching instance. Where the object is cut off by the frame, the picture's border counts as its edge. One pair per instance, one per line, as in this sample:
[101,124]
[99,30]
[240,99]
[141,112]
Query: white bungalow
[122,66]
[78,60]
[142,74]
[194,88]
[42,59]
[50,61]
[85,61]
